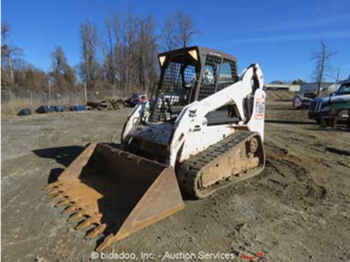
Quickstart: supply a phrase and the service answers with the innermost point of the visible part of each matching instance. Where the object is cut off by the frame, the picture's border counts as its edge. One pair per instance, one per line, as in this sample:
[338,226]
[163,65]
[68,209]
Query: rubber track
[189,171]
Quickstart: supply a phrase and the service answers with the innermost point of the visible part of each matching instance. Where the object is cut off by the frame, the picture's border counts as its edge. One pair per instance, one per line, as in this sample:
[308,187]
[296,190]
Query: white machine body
[190,133]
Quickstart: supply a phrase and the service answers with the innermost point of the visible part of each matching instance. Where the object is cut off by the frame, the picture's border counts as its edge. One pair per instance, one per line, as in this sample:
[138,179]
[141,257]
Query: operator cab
[191,74]
[344,89]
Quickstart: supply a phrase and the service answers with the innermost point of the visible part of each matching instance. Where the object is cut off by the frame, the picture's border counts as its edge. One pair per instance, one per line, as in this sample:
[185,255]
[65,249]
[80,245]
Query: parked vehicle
[338,102]
[136,99]
[303,100]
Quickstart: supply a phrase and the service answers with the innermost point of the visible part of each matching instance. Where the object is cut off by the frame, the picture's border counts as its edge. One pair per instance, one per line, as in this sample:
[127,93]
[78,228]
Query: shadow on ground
[63,155]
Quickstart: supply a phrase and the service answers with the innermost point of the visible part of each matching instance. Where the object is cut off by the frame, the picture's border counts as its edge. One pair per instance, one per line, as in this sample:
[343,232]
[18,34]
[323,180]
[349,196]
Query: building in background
[282,87]
[312,87]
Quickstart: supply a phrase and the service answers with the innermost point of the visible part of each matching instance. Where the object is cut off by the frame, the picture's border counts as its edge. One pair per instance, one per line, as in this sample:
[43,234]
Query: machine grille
[218,73]
[315,106]
[174,91]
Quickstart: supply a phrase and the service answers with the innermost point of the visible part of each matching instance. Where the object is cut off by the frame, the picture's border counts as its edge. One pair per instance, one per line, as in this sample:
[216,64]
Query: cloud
[323,21]
[293,37]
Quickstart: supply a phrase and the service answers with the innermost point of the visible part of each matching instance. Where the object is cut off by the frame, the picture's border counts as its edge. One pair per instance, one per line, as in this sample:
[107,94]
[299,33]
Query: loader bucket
[118,192]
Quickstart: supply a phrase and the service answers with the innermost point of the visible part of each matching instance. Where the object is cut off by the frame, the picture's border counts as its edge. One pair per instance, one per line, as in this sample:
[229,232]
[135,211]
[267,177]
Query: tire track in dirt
[290,177]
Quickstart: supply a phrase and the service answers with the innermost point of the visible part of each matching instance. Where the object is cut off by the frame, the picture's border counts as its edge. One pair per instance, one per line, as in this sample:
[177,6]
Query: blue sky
[279,35]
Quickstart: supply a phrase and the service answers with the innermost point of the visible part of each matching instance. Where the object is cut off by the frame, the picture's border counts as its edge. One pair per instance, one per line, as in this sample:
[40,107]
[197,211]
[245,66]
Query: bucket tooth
[58,197]
[72,208]
[52,185]
[76,205]
[54,192]
[63,203]
[85,224]
[96,231]
[89,221]
[77,216]
[105,243]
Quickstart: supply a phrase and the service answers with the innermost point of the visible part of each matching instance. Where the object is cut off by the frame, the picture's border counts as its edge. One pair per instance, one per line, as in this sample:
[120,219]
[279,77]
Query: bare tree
[169,35]
[62,74]
[34,78]
[118,49]
[147,45]
[130,48]
[186,28]
[89,41]
[178,31]
[322,68]
[108,53]
[15,71]
[134,48]
[8,54]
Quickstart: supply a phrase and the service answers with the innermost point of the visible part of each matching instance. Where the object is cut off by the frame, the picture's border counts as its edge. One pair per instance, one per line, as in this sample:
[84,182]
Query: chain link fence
[13,101]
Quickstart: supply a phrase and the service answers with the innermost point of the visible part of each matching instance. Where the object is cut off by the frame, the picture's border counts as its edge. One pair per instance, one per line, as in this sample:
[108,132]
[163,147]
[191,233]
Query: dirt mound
[279,95]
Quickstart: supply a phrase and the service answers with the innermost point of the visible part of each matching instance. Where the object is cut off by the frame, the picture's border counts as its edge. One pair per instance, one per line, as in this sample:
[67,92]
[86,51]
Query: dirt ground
[297,209]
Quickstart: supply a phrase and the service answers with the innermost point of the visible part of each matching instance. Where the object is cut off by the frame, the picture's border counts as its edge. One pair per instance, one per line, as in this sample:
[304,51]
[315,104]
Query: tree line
[121,55]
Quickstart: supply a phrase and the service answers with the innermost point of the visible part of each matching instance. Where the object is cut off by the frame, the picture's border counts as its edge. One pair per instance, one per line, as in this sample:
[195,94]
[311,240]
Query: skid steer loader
[201,131]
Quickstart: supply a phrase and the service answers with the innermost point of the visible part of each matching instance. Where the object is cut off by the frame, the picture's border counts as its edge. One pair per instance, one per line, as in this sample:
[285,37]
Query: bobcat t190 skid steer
[202,130]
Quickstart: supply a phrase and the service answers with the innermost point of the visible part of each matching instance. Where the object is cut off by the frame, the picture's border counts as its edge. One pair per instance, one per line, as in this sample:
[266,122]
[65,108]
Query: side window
[189,75]
[172,78]
[208,75]
[218,73]
[344,89]
[225,74]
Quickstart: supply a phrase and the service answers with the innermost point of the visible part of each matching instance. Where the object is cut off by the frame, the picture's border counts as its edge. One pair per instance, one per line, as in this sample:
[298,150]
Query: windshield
[344,89]
[174,90]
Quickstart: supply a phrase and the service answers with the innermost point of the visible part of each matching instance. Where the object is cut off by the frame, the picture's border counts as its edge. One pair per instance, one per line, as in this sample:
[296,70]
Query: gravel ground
[297,209]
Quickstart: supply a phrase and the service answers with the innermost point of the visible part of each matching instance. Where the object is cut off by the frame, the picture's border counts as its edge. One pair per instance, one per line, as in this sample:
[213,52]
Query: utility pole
[49,92]
[85,93]
[10,94]
[31,100]
[338,75]
[11,70]
[75,94]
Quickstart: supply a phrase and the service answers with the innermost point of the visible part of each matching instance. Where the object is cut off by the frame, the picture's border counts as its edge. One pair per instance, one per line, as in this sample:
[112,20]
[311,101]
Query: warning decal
[259,108]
